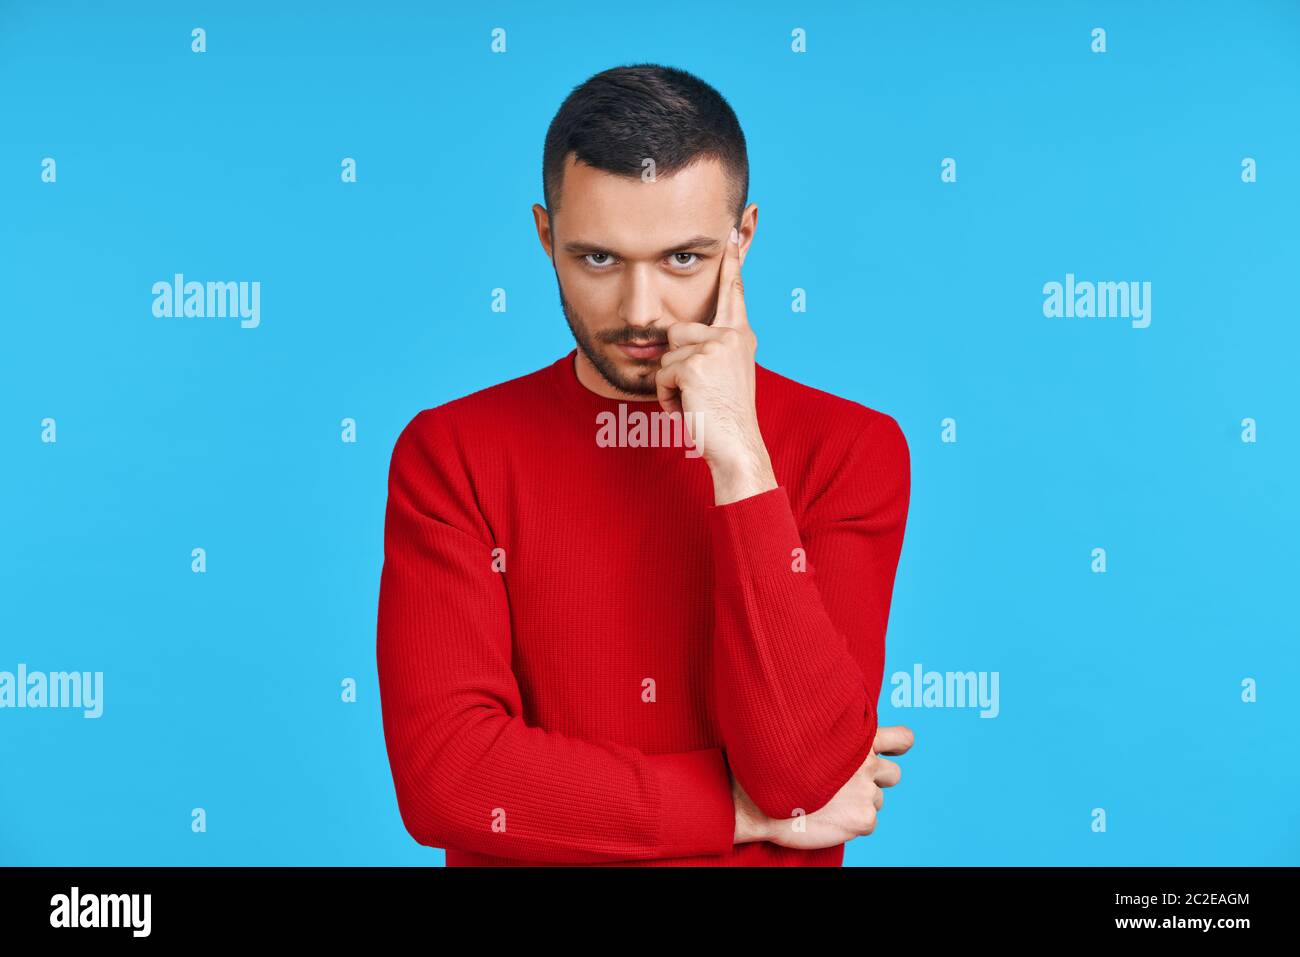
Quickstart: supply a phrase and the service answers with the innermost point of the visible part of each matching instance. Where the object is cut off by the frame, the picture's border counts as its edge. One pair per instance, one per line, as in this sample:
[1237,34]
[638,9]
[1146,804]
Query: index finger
[731,291]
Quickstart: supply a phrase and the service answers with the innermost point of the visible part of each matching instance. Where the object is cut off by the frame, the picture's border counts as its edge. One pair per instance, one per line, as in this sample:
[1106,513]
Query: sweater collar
[564,372]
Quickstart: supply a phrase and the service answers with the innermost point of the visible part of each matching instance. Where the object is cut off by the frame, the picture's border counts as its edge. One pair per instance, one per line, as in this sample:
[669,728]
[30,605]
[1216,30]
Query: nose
[640,305]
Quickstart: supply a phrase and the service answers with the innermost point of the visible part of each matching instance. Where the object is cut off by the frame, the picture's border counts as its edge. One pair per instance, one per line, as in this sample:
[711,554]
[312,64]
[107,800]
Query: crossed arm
[799,649]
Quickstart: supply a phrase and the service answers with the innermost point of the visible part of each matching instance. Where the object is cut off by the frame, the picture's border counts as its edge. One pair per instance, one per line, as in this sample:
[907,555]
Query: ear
[748,224]
[542,221]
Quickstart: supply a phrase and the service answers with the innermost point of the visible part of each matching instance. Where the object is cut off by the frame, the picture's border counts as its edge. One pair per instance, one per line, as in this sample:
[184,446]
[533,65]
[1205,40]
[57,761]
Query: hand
[708,373]
[852,812]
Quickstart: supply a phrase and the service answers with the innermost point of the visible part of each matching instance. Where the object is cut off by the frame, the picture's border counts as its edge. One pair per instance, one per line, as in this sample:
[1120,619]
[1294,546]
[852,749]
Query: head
[644,173]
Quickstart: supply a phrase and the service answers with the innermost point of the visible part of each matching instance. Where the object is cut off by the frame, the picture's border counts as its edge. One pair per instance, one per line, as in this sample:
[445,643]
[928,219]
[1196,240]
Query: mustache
[632,340]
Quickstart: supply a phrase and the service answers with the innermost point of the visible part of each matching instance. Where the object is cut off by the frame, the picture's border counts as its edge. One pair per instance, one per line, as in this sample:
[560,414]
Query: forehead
[633,215]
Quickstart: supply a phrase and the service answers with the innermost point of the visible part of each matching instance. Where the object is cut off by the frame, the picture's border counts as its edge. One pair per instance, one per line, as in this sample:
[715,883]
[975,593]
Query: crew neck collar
[564,372]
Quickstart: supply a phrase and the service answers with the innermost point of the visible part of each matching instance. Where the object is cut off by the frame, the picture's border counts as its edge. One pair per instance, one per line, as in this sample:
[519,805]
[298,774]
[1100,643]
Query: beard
[642,383]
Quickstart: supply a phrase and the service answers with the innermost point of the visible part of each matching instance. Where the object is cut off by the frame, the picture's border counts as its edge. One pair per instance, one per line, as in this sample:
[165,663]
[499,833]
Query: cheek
[590,296]
[692,300]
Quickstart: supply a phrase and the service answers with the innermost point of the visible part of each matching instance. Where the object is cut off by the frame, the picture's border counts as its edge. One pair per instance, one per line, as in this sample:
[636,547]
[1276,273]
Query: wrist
[751,823]
[734,479]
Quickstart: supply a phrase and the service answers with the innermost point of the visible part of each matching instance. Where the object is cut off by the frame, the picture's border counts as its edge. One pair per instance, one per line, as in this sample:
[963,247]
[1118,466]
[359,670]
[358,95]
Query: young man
[598,648]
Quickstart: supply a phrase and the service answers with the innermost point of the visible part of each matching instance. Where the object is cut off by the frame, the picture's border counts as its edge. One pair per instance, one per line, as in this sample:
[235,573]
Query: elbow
[426,779]
[426,818]
[797,791]
[783,791]
[777,780]
[441,772]
[790,781]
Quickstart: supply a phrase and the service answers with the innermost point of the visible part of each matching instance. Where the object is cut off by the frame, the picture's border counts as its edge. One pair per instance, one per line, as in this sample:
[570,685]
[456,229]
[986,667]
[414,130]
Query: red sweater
[575,644]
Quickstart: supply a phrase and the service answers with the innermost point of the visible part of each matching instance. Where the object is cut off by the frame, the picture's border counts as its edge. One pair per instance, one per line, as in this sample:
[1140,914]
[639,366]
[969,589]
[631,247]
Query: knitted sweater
[577,648]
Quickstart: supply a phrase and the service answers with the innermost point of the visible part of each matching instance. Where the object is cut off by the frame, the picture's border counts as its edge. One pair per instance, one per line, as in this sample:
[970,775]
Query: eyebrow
[695,242]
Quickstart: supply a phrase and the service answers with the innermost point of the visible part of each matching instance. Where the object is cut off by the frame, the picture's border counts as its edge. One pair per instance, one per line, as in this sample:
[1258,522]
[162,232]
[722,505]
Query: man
[599,649]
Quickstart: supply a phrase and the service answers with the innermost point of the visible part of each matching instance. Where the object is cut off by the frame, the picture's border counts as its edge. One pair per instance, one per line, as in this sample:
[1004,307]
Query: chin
[638,375]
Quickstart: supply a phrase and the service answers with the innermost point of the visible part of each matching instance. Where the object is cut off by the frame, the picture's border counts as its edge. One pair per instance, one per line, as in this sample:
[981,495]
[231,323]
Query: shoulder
[828,420]
[452,426]
[837,457]
[432,471]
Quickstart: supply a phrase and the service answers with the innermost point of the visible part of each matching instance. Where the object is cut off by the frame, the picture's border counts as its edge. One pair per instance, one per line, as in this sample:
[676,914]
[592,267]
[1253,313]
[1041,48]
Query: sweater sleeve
[469,773]
[799,648]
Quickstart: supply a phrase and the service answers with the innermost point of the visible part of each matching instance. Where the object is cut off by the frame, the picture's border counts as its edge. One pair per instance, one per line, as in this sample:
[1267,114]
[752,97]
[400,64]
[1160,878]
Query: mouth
[649,350]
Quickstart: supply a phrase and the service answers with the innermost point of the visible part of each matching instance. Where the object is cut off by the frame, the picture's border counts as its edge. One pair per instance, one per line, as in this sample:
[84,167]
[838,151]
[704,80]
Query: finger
[685,333]
[878,799]
[888,773]
[893,739]
[677,355]
[667,390]
[731,291]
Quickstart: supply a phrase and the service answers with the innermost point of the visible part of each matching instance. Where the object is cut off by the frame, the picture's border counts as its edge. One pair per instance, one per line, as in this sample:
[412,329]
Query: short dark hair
[623,115]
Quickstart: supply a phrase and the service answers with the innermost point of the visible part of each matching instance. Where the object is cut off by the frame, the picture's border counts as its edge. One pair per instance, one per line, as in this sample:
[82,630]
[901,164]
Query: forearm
[799,623]
[469,773]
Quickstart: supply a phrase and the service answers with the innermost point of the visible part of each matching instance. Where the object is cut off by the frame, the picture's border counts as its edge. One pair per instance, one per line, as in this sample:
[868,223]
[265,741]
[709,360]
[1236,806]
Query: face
[631,259]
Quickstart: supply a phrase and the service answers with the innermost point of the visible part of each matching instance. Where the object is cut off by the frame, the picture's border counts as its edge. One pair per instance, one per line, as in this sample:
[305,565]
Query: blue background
[1118,690]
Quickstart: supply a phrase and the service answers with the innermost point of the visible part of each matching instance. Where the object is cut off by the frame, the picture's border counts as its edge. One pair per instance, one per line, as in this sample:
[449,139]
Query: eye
[603,261]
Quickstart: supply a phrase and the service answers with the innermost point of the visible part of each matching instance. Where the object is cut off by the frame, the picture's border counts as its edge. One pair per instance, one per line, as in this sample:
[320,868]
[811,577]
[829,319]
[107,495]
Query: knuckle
[868,823]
